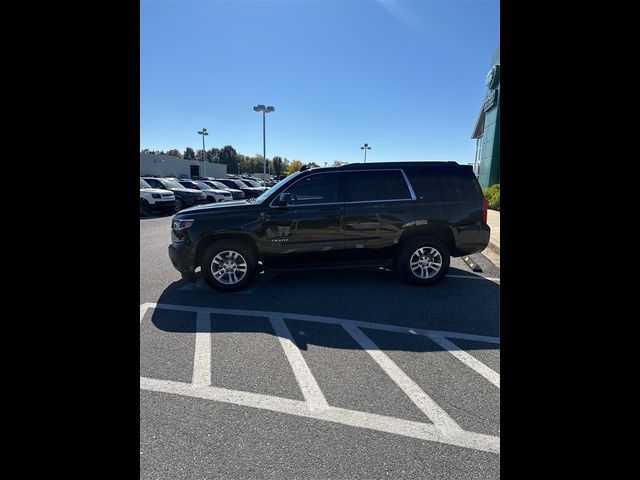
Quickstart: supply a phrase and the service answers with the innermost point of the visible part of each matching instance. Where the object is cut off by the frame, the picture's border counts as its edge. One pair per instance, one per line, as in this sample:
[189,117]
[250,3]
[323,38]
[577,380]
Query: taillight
[484,210]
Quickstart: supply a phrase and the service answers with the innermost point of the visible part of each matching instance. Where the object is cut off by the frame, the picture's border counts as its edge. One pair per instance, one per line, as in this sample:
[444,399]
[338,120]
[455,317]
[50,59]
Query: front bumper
[182,258]
[164,205]
[190,202]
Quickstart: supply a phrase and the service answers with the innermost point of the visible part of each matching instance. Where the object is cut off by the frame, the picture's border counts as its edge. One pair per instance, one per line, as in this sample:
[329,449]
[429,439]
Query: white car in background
[155,199]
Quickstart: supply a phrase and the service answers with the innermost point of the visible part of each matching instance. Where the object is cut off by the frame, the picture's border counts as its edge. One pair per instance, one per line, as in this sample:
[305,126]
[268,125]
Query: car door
[377,208]
[309,229]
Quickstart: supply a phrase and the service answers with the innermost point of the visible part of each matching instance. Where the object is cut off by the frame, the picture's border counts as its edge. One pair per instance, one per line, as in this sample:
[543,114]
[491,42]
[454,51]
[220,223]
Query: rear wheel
[179,204]
[229,265]
[423,260]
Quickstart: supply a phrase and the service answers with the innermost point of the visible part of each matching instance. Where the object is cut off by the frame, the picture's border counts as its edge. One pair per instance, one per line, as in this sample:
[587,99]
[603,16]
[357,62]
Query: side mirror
[284,200]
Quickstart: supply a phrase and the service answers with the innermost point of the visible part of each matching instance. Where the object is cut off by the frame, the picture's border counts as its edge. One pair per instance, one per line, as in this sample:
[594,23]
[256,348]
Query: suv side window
[318,188]
[154,183]
[445,186]
[366,186]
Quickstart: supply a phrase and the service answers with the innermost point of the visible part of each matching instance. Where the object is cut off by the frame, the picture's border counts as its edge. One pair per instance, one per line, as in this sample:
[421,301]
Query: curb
[493,247]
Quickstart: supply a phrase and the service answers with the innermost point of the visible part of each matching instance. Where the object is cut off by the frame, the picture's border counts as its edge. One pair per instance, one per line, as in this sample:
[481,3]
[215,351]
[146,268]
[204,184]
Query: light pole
[365,148]
[264,110]
[203,132]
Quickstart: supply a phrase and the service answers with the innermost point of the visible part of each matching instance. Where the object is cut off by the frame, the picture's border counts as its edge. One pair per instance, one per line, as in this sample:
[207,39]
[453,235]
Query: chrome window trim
[404,175]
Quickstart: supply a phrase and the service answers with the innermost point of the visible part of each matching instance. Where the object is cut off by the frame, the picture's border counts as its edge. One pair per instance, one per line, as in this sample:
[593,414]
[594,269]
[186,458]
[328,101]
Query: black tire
[245,252]
[179,204]
[414,244]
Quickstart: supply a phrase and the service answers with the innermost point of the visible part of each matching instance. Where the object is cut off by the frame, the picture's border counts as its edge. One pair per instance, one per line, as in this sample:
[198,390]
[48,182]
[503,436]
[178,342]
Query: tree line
[239,163]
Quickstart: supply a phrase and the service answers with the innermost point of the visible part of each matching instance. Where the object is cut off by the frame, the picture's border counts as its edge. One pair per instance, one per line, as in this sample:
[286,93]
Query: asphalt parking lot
[334,374]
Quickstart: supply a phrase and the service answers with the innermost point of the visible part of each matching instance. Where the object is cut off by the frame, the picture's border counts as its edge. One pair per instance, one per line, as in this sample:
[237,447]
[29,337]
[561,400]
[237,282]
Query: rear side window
[366,186]
[319,188]
[444,185]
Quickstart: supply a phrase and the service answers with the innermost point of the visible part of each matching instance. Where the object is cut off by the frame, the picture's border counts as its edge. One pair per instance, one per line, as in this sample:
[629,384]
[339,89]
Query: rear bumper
[479,244]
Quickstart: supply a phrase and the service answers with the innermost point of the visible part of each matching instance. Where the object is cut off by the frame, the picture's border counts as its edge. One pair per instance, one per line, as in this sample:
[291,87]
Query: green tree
[229,157]
[337,163]
[213,155]
[198,155]
[146,150]
[276,166]
[312,165]
[189,154]
[175,153]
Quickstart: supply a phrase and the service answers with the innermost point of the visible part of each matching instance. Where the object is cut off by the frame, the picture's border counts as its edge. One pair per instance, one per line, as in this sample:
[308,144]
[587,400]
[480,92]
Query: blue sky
[406,77]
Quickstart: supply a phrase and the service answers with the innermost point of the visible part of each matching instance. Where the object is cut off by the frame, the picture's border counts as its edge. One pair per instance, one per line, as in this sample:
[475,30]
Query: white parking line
[444,429]
[371,421]
[469,360]
[143,309]
[331,320]
[430,408]
[310,388]
[202,357]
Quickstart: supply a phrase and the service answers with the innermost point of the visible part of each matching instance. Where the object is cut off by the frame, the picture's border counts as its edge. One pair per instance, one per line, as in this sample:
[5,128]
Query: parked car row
[169,194]
[156,199]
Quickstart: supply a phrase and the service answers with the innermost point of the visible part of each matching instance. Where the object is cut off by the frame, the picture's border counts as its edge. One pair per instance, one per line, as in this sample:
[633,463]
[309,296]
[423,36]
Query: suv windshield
[144,184]
[219,185]
[239,184]
[167,182]
[281,183]
[203,186]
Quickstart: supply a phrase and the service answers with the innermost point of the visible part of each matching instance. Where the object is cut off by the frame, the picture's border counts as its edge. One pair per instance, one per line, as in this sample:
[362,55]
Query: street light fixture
[203,132]
[264,110]
[365,148]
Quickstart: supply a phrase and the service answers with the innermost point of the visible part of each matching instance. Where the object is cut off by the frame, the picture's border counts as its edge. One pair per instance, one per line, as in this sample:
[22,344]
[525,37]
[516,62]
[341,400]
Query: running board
[330,266]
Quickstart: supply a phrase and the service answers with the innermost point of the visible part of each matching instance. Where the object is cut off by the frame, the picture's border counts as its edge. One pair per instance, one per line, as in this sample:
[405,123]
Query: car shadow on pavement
[461,305]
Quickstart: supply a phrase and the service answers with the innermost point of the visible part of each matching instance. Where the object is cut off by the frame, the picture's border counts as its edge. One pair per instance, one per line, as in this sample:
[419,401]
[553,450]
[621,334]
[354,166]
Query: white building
[170,166]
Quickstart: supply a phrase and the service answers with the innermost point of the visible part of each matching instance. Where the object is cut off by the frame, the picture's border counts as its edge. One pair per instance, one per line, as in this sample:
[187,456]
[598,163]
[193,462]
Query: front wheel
[423,260]
[229,265]
[179,204]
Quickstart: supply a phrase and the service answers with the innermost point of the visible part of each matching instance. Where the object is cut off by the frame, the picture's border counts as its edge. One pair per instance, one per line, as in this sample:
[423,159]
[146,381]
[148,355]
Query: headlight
[181,224]
[156,195]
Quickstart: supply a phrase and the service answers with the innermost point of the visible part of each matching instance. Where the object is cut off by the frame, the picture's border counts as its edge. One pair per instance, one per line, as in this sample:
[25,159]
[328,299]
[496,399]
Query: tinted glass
[154,183]
[444,185]
[144,184]
[203,186]
[377,185]
[320,188]
[171,183]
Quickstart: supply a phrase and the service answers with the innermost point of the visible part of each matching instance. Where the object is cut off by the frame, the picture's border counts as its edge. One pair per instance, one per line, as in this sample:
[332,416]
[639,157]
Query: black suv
[410,216]
[249,192]
[185,197]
